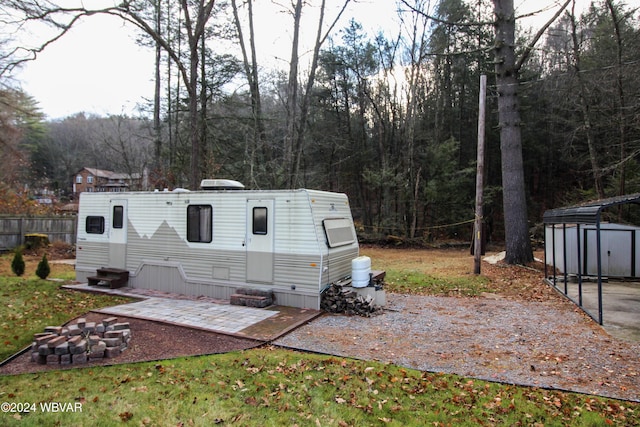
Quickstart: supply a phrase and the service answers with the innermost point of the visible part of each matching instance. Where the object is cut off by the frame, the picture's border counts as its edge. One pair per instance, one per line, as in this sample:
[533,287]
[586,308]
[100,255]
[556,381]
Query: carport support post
[598,248]
[477,227]
[579,254]
[564,257]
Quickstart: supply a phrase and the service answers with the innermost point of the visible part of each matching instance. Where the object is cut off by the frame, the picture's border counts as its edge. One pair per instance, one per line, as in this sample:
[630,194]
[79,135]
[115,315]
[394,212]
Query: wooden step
[111,277]
[256,301]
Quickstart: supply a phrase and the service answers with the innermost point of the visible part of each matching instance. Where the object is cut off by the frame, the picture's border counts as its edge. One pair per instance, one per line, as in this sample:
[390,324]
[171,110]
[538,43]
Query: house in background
[103,181]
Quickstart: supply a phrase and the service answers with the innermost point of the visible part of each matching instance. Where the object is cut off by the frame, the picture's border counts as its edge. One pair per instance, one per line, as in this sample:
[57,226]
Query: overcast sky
[98,68]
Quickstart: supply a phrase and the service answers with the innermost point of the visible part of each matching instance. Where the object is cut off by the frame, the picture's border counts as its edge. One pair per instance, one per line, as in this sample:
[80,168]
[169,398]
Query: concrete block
[56,341]
[53,329]
[73,341]
[112,342]
[79,348]
[79,358]
[45,339]
[109,321]
[74,330]
[100,346]
[41,334]
[62,349]
[53,359]
[96,355]
[112,351]
[120,326]
[113,334]
[89,328]
[45,350]
[94,339]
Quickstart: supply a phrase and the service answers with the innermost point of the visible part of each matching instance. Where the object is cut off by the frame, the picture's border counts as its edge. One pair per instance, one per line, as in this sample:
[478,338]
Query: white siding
[160,257]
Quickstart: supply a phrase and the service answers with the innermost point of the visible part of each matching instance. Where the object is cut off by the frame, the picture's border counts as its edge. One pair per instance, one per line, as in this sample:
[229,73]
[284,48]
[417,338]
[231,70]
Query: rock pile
[344,299]
[80,342]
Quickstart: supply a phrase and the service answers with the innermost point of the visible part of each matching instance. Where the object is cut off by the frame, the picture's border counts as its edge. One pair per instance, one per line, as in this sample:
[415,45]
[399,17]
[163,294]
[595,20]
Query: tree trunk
[292,97]
[517,242]
[585,111]
[622,110]
[156,95]
[195,31]
[255,152]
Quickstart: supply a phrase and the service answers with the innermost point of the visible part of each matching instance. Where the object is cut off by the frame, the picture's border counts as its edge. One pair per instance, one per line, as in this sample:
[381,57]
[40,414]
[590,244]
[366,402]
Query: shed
[579,244]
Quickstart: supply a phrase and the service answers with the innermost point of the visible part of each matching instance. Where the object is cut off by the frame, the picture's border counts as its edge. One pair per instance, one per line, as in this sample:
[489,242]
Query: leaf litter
[524,333]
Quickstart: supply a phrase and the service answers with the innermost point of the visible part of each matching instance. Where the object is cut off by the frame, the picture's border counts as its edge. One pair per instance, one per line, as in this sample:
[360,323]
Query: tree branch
[527,52]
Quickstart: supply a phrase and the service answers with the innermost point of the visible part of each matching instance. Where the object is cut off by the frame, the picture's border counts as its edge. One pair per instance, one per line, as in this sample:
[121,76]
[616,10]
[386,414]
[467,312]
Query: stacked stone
[257,298]
[80,342]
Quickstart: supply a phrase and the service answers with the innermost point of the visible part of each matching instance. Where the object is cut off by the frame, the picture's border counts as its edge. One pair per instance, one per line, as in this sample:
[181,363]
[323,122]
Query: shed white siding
[620,245]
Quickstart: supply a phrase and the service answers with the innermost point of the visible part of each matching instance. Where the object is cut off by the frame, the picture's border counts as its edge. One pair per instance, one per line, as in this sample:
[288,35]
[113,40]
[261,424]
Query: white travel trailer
[215,241]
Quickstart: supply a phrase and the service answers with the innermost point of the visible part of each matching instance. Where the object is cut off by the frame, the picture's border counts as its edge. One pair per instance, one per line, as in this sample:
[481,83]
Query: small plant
[35,241]
[17,264]
[43,269]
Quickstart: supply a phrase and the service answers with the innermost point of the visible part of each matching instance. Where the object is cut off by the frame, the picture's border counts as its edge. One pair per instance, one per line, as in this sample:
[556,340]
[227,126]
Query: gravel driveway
[541,344]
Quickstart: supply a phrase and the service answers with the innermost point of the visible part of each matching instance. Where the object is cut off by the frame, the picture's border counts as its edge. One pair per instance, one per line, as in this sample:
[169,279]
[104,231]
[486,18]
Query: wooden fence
[14,228]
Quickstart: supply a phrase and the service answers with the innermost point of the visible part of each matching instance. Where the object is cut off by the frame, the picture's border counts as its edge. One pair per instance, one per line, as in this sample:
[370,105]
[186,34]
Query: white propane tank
[360,271]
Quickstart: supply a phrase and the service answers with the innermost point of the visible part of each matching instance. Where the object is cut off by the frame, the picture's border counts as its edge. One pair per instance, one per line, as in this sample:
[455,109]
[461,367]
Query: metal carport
[589,213]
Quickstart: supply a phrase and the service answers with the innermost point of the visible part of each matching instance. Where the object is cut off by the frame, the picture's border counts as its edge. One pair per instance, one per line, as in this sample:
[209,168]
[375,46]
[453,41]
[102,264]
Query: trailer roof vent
[220,184]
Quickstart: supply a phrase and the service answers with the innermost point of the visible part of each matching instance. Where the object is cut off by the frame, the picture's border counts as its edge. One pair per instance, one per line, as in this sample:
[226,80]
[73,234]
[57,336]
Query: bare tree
[296,114]
[251,72]
[196,14]
[127,142]
[616,20]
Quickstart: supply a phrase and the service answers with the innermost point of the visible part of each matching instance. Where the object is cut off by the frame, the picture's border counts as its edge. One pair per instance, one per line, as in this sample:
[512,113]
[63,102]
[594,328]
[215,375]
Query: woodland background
[391,122]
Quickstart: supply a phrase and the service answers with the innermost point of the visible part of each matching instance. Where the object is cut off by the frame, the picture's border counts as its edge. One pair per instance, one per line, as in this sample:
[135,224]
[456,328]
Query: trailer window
[118,216]
[339,232]
[94,225]
[260,220]
[199,223]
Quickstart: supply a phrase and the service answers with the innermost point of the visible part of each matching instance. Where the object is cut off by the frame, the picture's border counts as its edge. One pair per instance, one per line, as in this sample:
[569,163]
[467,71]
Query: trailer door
[260,240]
[118,234]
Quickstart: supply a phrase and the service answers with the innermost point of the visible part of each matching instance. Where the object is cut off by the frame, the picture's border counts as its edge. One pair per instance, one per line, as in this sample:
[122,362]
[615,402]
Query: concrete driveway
[620,305]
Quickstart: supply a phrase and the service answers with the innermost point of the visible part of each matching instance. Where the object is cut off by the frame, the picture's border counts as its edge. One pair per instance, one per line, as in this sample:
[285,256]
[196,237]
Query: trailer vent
[220,184]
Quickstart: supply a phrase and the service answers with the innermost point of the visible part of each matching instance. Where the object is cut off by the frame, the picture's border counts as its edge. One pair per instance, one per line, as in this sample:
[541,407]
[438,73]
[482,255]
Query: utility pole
[477,227]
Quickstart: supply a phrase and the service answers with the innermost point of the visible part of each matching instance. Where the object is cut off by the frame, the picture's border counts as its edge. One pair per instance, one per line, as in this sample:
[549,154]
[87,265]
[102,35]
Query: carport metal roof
[587,213]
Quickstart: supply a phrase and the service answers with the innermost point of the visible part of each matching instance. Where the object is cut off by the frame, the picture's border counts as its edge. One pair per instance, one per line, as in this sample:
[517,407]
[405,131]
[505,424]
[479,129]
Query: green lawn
[28,305]
[275,387]
[415,282]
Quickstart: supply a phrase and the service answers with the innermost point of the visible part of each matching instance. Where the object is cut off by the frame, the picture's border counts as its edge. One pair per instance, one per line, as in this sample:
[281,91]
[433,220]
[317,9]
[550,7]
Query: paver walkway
[229,319]
[205,313]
